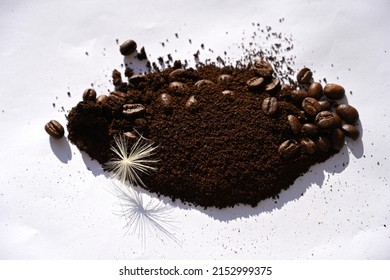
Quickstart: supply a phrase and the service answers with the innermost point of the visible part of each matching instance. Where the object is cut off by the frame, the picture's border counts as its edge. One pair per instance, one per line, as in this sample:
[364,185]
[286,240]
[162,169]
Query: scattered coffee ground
[225,135]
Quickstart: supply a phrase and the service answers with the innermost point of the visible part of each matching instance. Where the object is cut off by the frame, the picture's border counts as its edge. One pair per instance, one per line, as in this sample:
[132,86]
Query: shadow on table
[61,149]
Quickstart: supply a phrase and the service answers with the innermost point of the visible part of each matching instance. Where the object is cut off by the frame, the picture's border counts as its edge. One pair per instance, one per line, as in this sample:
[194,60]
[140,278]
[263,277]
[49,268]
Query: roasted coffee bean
[55,129]
[337,120]
[326,105]
[334,91]
[310,129]
[177,73]
[101,99]
[351,131]
[269,105]
[337,138]
[166,99]
[304,76]
[202,83]
[323,143]
[228,92]
[136,79]
[118,96]
[311,106]
[132,109]
[177,86]
[225,79]
[255,83]
[191,102]
[263,68]
[308,146]
[294,123]
[297,95]
[116,77]
[288,148]
[89,95]
[315,90]
[325,119]
[273,86]
[347,113]
[128,47]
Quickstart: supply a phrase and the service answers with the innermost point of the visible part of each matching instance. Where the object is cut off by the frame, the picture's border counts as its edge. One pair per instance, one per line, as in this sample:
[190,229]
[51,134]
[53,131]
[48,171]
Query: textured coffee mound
[220,150]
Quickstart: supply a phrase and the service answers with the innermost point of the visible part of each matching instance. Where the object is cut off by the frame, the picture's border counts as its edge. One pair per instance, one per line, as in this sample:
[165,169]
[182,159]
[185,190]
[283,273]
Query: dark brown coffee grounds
[220,152]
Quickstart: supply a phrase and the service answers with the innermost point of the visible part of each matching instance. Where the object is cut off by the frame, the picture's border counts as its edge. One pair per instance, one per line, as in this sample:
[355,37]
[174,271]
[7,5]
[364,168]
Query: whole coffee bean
[116,77]
[323,143]
[288,148]
[269,105]
[177,86]
[325,119]
[311,106]
[337,120]
[228,92]
[255,83]
[225,79]
[118,96]
[89,95]
[351,131]
[315,90]
[337,138]
[177,73]
[309,129]
[132,109]
[304,76]
[128,47]
[55,129]
[326,105]
[297,95]
[101,99]
[136,79]
[191,102]
[202,83]
[308,146]
[334,91]
[263,68]
[166,99]
[294,123]
[347,113]
[273,86]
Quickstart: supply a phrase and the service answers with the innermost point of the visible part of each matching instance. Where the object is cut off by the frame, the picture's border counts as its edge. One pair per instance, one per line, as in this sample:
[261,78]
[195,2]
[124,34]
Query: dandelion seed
[130,165]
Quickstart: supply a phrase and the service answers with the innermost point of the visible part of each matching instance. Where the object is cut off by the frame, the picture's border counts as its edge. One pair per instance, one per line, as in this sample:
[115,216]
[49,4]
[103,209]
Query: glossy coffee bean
[116,77]
[228,92]
[55,129]
[326,105]
[166,99]
[255,83]
[202,83]
[309,129]
[101,99]
[132,109]
[273,86]
[297,95]
[294,123]
[347,113]
[337,120]
[323,143]
[308,146]
[304,76]
[191,102]
[325,119]
[128,47]
[269,105]
[136,79]
[89,95]
[351,131]
[288,148]
[337,138]
[177,86]
[177,73]
[118,97]
[315,90]
[311,106]
[263,68]
[225,79]
[334,91]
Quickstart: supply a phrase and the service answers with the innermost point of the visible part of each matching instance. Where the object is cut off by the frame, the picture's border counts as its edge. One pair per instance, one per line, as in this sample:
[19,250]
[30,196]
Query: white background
[55,203]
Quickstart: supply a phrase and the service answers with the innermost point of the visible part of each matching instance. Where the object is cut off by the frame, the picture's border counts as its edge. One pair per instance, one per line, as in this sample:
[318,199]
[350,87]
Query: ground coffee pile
[219,134]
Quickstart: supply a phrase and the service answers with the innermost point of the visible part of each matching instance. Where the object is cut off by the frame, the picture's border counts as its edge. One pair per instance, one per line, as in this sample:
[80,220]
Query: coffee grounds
[221,151]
